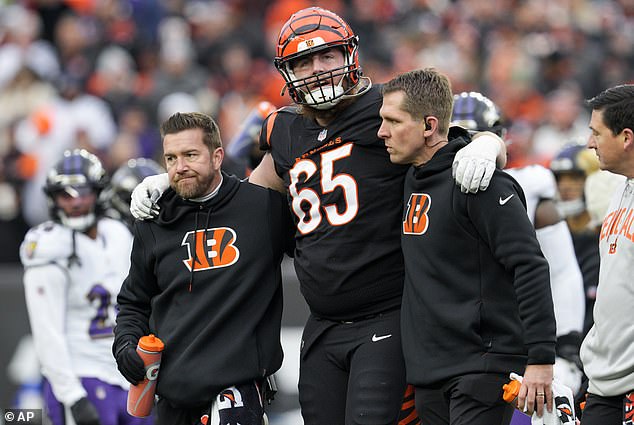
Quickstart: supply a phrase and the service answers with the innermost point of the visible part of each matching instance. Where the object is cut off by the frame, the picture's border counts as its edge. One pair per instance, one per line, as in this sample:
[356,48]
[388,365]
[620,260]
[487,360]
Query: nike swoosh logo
[505,200]
[378,338]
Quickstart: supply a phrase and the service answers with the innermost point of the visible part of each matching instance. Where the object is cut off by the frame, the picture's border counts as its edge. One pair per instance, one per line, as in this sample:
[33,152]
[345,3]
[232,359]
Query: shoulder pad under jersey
[112,224]
[269,123]
[536,180]
[46,243]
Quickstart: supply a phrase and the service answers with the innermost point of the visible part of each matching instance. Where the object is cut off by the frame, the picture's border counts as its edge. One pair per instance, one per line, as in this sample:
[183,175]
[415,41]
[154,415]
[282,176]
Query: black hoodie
[221,321]
[477,295]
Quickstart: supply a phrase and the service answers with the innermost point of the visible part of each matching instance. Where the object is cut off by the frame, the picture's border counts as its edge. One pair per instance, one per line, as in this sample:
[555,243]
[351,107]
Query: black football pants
[474,399]
[352,373]
[618,410]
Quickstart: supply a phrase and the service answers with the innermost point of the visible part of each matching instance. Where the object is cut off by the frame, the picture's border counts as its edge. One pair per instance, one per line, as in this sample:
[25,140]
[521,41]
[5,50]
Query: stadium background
[102,74]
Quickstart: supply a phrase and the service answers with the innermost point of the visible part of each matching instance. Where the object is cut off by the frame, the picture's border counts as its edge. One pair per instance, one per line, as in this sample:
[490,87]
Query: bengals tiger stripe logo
[416,218]
[628,409]
[565,413]
[214,248]
[408,414]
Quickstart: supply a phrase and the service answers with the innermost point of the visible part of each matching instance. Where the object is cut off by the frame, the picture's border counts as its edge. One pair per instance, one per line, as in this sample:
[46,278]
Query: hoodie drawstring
[195,255]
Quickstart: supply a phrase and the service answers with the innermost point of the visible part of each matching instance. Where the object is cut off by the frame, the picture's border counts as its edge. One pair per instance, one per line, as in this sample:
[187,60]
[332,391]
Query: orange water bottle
[141,396]
[511,390]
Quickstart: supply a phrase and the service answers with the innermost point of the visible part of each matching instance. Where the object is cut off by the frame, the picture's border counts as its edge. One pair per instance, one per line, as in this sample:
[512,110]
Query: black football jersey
[345,196]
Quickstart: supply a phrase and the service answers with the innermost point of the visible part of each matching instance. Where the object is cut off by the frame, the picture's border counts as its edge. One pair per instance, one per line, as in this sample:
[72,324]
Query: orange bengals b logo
[416,218]
[214,248]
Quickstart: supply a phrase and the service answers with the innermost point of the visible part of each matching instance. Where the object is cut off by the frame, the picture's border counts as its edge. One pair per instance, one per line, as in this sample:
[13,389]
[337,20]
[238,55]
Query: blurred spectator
[137,135]
[72,119]
[565,122]
[177,69]
[23,94]
[77,41]
[22,47]
[115,79]
[29,65]
[573,166]
[15,169]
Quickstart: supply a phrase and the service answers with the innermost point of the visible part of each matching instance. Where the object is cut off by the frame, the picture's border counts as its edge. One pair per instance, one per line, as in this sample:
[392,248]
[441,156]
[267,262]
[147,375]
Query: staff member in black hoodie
[205,277]
[477,302]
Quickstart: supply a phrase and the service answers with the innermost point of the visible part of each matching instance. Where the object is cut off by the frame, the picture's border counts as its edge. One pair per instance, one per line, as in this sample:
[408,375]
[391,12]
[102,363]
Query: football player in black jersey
[345,195]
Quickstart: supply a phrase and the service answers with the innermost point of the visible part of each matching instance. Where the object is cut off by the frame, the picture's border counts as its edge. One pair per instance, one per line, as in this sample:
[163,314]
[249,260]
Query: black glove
[568,348]
[130,364]
[84,412]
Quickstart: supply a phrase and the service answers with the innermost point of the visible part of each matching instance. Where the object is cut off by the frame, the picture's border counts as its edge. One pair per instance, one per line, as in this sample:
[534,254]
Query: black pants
[352,373]
[241,404]
[474,399]
[618,410]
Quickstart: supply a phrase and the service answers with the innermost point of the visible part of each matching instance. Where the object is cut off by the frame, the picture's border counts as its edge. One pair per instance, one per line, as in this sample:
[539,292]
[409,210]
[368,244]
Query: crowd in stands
[102,74]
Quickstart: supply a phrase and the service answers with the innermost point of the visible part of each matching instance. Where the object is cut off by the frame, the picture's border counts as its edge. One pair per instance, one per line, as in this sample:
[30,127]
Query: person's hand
[84,412]
[130,364]
[144,197]
[474,164]
[536,389]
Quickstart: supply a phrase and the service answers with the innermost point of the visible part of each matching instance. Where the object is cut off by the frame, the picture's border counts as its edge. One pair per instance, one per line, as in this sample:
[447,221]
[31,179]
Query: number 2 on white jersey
[310,220]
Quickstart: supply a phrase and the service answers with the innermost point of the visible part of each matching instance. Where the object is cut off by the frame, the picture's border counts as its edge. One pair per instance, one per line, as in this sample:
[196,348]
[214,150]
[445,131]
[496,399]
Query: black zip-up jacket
[477,293]
[220,322]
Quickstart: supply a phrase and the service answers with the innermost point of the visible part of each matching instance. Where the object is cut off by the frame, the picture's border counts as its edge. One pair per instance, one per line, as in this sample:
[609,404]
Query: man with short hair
[477,302]
[206,279]
[607,352]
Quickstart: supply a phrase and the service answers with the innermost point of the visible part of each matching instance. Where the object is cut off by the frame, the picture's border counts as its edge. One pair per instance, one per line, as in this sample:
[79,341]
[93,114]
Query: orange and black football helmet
[309,31]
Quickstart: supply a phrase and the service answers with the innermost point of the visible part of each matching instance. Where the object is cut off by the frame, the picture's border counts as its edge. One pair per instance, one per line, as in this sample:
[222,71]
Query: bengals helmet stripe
[309,31]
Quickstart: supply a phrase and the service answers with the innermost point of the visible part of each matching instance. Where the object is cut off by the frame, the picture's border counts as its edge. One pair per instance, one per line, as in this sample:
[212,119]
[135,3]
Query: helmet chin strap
[362,88]
[81,224]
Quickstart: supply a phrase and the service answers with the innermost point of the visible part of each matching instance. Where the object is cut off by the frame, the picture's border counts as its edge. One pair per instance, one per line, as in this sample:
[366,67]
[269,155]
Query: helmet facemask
[329,86]
[83,222]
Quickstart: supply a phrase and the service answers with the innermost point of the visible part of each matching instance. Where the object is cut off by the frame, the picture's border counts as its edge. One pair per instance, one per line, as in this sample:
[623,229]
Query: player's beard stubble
[192,186]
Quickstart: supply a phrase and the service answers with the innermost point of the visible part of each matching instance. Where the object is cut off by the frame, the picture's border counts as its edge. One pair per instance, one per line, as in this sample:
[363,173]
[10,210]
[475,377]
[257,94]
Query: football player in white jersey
[476,112]
[73,268]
